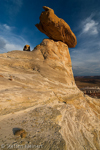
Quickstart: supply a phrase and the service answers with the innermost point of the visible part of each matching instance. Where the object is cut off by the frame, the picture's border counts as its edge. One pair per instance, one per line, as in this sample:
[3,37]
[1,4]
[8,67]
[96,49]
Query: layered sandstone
[56,28]
[43,100]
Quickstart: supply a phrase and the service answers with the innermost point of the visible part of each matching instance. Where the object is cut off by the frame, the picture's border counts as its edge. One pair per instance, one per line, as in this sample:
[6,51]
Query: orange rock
[26,48]
[21,133]
[56,28]
[1,75]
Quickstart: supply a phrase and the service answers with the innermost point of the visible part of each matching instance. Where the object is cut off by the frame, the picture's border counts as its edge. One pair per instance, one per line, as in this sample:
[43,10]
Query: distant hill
[88,81]
[91,81]
[93,77]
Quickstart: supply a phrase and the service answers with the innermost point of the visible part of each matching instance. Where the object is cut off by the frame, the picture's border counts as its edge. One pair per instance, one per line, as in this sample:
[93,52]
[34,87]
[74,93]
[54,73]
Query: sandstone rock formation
[56,55]
[26,48]
[43,99]
[56,28]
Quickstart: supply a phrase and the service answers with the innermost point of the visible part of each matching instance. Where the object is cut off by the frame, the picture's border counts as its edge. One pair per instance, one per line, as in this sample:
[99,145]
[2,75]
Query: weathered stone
[56,55]
[26,48]
[44,100]
[56,28]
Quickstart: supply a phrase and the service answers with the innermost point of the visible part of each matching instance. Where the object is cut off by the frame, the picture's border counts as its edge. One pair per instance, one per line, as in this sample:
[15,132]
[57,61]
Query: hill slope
[38,93]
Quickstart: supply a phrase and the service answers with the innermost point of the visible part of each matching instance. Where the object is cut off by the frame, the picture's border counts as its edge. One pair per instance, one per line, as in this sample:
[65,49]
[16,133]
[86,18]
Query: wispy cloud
[13,7]
[5,28]
[86,61]
[10,41]
[89,26]
[86,56]
[2,43]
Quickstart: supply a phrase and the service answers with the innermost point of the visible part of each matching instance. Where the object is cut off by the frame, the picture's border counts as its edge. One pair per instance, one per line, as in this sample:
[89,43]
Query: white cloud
[89,26]
[6,45]
[10,41]
[2,43]
[86,56]
[85,61]
[7,27]
[10,47]
[4,28]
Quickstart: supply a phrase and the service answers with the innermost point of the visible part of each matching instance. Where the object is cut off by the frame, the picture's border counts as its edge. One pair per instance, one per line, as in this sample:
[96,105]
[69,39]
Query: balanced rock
[56,28]
[26,48]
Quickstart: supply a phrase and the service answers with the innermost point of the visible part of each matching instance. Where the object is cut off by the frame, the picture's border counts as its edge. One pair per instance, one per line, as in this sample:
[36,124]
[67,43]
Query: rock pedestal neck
[56,56]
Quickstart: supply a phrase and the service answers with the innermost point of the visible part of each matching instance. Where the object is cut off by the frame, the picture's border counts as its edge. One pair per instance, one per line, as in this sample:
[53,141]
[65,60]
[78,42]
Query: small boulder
[21,132]
[26,48]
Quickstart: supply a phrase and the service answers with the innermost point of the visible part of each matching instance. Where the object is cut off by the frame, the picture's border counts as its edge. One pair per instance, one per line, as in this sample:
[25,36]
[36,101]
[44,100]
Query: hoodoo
[42,98]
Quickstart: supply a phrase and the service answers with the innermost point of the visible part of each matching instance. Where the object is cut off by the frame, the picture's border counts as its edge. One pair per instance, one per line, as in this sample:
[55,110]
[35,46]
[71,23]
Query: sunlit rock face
[56,28]
[38,90]
[56,56]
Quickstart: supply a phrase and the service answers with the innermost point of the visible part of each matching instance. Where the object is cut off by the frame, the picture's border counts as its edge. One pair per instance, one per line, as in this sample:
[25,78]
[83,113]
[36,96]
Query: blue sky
[17,28]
